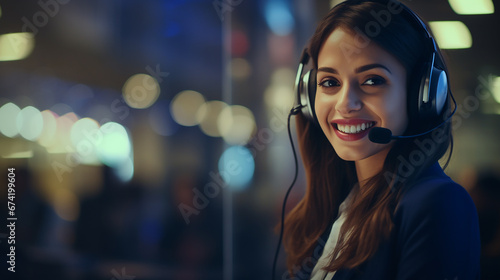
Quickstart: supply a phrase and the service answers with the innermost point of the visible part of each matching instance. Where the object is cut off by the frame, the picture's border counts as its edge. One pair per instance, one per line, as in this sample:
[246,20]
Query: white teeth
[354,128]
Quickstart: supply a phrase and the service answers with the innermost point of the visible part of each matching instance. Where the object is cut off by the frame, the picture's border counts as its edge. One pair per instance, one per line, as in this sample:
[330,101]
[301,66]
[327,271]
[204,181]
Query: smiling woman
[377,209]
[362,90]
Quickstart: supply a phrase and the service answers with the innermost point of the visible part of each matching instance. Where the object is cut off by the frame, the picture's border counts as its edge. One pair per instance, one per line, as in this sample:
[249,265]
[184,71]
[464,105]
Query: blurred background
[149,137]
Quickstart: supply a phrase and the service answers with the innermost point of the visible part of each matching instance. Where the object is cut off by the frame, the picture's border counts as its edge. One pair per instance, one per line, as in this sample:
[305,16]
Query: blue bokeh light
[279,17]
[236,167]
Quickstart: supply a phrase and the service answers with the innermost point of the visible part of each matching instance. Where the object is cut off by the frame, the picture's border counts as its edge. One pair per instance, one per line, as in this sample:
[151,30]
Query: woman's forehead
[345,47]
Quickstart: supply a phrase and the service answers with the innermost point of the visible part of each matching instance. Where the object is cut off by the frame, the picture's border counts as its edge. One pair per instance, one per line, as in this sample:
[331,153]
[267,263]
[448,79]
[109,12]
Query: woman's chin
[350,155]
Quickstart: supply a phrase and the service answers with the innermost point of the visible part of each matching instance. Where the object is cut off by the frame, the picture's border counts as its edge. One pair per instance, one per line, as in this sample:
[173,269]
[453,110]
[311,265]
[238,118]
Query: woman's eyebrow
[357,70]
[328,69]
[371,66]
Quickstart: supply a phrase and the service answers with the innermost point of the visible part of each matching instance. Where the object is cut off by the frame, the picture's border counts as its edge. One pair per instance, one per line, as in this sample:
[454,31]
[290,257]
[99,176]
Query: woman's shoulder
[436,199]
[437,229]
[434,192]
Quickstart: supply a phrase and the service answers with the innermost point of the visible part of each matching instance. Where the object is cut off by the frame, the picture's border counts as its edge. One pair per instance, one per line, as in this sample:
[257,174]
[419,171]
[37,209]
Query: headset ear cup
[432,95]
[308,95]
[433,90]
[439,89]
[425,96]
[311,90]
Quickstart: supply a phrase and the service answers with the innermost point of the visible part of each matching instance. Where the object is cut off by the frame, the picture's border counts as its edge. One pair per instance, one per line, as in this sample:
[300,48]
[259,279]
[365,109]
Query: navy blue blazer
[436,236]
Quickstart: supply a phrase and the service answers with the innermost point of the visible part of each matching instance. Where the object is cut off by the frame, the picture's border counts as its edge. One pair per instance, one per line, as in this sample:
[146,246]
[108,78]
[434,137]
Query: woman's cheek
[320,112]
[318,107]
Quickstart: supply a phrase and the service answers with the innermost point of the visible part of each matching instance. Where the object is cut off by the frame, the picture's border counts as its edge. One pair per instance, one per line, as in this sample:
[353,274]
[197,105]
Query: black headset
[433,87]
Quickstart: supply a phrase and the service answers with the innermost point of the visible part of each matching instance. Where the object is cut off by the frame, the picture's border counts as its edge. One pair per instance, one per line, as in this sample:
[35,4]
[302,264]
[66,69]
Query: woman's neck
[370,166]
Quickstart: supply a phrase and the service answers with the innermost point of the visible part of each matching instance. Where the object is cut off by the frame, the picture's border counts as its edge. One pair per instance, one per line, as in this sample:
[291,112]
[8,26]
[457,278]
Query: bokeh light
[281,49]
[66,204]
[236,167]
[476,7]
[276,96]
[185,106]
[125,170]
[334,3]
[8,115]
[71,116]
[451,34]
[49,128]
[207,116]
[140,91]
[495,88]
[240,68]
[22,154]
[279,17]
[85,136]
[280,92]
[29,123]
[236,124]
[239,43]
[115,146]
[283,76]
[16,46]
[61,141]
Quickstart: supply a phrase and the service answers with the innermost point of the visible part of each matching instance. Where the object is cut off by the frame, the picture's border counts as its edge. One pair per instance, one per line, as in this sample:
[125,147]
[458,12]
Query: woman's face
[358,88]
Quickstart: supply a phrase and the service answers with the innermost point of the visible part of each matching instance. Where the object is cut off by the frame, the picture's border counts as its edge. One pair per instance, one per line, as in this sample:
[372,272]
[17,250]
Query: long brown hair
[329,178]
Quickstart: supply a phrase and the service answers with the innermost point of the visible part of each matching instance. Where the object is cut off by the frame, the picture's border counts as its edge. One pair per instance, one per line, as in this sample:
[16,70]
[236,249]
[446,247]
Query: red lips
[360,128]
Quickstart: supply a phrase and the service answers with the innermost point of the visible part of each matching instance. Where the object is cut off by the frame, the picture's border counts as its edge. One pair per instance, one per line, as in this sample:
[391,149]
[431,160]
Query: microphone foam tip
[380,135]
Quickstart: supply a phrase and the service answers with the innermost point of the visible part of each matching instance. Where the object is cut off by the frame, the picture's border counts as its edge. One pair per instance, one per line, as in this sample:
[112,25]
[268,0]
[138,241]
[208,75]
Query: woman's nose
[348,100]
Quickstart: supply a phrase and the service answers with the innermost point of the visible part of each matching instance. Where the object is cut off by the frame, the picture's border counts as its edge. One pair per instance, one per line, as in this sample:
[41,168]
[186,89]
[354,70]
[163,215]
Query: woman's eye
[329,83]
[374,81]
